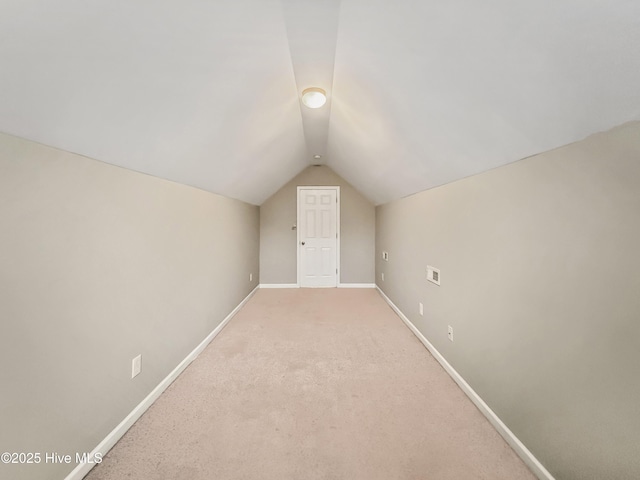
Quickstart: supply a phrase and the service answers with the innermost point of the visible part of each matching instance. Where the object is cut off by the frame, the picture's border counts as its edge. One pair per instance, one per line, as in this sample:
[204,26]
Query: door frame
[338,233]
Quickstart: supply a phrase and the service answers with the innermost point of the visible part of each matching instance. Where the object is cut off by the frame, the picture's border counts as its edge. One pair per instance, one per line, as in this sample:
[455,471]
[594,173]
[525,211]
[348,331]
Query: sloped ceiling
[421,93]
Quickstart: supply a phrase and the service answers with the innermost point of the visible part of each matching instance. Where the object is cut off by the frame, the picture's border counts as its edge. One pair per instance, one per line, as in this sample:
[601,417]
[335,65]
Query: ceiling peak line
[312,32]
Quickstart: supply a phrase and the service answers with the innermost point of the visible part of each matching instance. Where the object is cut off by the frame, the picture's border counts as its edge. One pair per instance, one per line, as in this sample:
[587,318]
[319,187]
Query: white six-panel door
[318,236]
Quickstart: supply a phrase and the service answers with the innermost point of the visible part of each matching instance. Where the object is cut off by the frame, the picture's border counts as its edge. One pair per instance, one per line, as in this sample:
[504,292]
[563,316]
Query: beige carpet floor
[311,384]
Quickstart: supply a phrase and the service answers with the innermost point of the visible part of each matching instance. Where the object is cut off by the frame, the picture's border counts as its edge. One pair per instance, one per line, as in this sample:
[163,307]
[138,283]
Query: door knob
[303,243]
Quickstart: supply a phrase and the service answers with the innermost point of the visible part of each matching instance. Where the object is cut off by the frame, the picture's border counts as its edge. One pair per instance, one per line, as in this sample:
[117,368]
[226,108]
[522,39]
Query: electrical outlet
[251,277]
[136,366]
[421,309]
[450,332]
[383,276]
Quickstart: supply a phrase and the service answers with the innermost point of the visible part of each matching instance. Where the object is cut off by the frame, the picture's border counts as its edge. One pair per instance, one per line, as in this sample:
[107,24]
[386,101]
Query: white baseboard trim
[522,451]
[116,434]
[295,285]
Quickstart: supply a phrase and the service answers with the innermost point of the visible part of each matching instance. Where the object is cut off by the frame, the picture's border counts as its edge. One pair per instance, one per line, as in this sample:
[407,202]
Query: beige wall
[97,265]
[278,254]
[540,281]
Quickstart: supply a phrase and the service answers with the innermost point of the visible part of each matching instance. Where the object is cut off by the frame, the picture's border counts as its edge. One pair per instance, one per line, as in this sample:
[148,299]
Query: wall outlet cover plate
[136,366]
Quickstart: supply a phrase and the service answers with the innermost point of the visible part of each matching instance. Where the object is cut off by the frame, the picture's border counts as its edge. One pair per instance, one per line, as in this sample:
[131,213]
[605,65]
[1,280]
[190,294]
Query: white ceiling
[421,93]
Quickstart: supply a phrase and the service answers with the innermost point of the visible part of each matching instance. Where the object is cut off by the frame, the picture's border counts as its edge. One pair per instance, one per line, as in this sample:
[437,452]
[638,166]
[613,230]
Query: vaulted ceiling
[420,92]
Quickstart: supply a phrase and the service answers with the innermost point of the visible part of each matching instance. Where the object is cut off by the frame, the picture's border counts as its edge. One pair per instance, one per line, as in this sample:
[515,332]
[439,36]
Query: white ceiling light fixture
[314,97]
